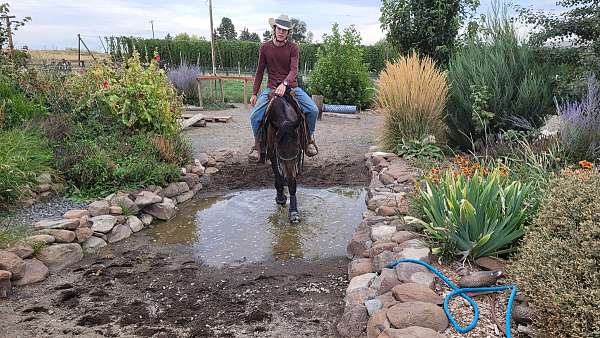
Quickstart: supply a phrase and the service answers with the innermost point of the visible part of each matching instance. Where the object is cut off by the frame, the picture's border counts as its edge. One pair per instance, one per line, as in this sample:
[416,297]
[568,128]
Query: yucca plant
[412,96]
[477,216]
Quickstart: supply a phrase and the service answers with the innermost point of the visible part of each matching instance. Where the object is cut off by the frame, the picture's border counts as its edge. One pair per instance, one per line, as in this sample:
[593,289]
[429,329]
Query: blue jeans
[306,103]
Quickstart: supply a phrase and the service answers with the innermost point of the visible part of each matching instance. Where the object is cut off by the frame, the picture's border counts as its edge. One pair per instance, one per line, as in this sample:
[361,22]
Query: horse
[285,130]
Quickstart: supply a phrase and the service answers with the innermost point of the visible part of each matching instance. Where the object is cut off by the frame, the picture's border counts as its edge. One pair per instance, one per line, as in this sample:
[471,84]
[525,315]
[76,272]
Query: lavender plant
[184,79]
[580,123]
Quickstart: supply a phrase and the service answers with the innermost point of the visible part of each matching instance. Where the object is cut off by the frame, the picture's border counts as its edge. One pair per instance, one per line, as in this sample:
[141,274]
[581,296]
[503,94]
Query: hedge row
[230,55]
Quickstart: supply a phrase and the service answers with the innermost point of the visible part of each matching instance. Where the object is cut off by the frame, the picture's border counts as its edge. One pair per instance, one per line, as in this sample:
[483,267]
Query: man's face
[280,34]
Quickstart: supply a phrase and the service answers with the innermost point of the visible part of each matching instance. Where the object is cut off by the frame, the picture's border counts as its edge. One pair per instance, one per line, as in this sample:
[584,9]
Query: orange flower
[585,164]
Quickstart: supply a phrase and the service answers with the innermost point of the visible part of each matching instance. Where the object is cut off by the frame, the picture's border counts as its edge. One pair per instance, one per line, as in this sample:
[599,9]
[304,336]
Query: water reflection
[247,226]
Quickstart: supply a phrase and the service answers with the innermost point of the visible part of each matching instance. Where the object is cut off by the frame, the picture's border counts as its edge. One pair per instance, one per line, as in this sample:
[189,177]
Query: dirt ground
[137,289]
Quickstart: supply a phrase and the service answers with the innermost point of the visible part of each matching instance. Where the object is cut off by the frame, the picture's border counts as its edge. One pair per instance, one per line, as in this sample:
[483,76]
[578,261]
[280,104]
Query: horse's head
[287,138]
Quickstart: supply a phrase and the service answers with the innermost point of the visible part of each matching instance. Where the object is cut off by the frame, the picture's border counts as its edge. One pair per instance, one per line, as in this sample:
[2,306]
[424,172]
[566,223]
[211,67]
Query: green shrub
[15,107]
[495,84]
[340,73]
[412,96]
[23,156]
[474,216]
[556,266]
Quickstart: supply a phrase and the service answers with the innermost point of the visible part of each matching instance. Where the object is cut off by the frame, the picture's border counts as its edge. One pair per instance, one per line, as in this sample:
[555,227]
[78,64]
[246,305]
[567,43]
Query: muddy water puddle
[247,226]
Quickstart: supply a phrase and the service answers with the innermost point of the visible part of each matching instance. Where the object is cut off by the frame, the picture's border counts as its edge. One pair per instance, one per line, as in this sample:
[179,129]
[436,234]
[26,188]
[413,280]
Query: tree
[226,30]
[298,33]
[245,34]
[188,37]
[309,37]
[267,35]
[254,37]
[427,27]
[14,23]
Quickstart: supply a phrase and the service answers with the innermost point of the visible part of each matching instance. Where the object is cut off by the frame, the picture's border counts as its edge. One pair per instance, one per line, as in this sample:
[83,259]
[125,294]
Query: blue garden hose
[461,292]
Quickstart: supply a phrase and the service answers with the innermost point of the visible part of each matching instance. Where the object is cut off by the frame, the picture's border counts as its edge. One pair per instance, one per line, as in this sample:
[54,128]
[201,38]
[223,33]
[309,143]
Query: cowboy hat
[283,22]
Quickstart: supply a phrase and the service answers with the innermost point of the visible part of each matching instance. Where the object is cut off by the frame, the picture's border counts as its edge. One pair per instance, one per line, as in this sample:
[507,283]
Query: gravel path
[26,216]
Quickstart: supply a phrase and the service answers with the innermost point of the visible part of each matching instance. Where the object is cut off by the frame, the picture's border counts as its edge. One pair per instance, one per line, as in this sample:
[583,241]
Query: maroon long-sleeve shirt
[281,63]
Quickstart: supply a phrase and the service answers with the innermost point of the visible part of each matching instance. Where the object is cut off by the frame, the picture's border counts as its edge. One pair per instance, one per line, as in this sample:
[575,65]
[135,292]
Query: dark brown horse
[285,143]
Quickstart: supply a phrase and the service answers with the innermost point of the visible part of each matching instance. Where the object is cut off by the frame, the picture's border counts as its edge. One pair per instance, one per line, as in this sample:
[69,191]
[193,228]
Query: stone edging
[388,303]
[104,221]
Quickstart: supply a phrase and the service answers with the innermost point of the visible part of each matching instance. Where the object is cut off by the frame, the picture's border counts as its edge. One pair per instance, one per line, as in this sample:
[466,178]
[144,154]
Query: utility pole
[152,23]
[11,47]
[212,39]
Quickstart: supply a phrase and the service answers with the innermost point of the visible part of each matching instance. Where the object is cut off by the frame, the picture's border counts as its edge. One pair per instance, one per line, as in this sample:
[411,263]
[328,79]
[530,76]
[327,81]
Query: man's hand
[280,90]
[253,100]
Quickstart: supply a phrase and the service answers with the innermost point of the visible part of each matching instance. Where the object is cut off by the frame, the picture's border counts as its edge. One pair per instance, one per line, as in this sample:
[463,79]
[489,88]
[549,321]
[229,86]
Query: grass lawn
[233,89]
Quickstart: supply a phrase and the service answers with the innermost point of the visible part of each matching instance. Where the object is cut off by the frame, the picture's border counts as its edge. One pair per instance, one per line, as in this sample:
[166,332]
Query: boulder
[41,188]
[382,233]
[387,300]
[84,222]
[103,223]
[191,180]
[385,281]
[358,297]
[203,158]
[491,264]
[119,233]
[198,169]
[146,219]
[134,223]
[186,196]
[12,263]
[5,283]
[413,243]
[97,208]
[359,267]
[128,207]
[57,257]
[412,332]
[46,239]
[425,278]
[386,179]
[360,242]
[83,234]
[116,210]
[35,271]
[70,224]
[385,210]
[403,236]
[76,213]
[21,250]
[421,254]
[93,244]
[146,198]
[402,174]
[362,281]
[197,188]
[373,305]
[384,259]
[163,210]
[174,189]
[413,292]
[403,315]
[381,246]
[60,236]
[353,322]
[404,271]
[44,178]
[377,323]
[381,199]
[211,171]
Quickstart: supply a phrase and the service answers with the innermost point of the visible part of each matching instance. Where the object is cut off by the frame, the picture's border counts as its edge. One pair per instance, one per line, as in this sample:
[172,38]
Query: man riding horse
[281,58]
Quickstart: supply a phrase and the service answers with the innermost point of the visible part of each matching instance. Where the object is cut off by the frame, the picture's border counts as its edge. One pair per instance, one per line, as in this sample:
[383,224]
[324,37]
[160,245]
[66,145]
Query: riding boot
[254,155]
[311,148]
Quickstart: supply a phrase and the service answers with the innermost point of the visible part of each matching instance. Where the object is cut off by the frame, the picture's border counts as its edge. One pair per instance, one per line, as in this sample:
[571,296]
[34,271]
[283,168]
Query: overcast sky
[55,24]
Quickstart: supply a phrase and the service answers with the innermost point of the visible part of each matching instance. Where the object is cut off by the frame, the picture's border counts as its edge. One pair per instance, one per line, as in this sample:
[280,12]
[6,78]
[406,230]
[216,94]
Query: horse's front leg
[293,212]
[281,198]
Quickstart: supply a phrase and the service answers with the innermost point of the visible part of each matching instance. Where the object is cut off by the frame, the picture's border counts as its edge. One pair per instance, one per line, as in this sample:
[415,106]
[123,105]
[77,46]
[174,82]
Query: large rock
[403,315]
[491,264]
[116,210]
[21,250]
[44,178]
[76,213]
[389,199]
[362,281]
[373,305]
[186,196]
[359,267]
[381,246]
[385,210]
[83,234]
[405,271]
[353,322]
[403,236]
[413,292]
[97,208]
[191,180]
[198,169]
[57,257]
[399,173]
[12,263]
[387,300]
[411,332]
[45,239]
[360,243]
[211,170]
[104,223]
[421,254]
[146,219]
[93,244]
[128,207]
[134,223]
[119,233]
[382,233]
[385,281]
[358,297]
[424,278]
[163,210]
[174,189]
[203,158]
[146,198]
[70,224]
[60,236]
[377,323]
[384,259]
[5,283]
[35,271]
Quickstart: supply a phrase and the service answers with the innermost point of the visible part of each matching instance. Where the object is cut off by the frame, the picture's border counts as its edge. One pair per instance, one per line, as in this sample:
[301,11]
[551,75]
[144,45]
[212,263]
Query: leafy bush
[184,79]
[495,85]
[556,266]
[580,123]
[473,212]
[15,107]
[419,150]
[340,73]
[23,156]
[412,94]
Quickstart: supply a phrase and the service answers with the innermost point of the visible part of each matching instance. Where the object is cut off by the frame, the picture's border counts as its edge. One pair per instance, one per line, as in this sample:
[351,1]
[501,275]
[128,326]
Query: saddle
[265,125]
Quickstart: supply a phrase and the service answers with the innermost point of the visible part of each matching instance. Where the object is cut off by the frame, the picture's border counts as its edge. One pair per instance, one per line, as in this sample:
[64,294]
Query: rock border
[114,218]
[382,302]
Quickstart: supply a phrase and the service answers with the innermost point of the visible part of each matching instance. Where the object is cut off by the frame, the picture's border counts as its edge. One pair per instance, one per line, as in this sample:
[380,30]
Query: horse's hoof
[281,201]
[295,217]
